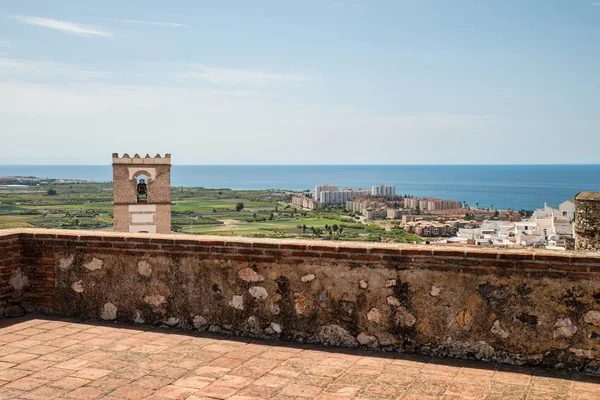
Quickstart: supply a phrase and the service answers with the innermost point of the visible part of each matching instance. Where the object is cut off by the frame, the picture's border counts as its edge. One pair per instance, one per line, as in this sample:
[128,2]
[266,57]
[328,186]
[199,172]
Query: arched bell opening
[142,188]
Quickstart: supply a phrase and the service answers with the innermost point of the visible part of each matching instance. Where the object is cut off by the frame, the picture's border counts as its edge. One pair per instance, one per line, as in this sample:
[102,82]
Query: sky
[301,82]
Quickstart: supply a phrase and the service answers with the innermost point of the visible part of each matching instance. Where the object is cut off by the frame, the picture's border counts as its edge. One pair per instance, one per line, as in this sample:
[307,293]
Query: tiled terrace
[42,358]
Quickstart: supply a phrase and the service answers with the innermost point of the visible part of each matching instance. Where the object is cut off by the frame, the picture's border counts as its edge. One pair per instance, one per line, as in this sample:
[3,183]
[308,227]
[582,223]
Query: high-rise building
[324,188]
[383,190]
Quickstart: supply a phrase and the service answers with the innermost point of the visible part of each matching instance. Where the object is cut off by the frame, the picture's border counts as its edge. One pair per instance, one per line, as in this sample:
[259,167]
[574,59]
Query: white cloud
[233,77]
[152,23]
[33,70]
[5,43]
[69,27]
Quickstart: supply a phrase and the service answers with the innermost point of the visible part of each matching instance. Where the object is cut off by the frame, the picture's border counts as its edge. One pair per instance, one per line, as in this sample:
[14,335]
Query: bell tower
[142,193]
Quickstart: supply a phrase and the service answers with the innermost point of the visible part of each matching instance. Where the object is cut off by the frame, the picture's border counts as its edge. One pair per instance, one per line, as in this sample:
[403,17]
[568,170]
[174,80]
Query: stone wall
[587,221]
[523,307]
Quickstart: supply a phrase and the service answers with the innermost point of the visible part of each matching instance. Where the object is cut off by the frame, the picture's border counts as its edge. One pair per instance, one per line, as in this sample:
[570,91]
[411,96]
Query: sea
[497,186]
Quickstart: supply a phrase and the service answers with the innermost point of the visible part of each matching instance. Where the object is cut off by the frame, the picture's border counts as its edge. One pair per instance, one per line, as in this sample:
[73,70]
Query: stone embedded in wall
[155,300]
[252,325]
[392,301]
[199,322]
[109,312]
[275,327]
[66,262]
[300,304]
[464,319]
[137,318]
[237,302]
[498,330]
[17,280]
[366,340]
[308,278]
[390,283]
[77,286]
[258,292]
[403,318]
[435,291]
[172,321]
[374,315]
[335,335]
[363,284]
[275,309]
[250,275]
[564,328]
[144,268]
[94,265]
[583,353]
[592,317]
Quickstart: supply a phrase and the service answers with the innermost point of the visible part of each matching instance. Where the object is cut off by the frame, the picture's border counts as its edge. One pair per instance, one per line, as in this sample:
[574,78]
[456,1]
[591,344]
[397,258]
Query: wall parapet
[471,303]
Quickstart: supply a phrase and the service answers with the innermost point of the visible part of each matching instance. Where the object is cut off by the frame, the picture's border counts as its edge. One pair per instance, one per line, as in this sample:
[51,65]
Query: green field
[259,227]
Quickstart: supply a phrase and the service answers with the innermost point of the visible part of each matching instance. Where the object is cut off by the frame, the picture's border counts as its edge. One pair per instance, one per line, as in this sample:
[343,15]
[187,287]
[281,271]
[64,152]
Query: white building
[324,188]
[383,191]
[341,196]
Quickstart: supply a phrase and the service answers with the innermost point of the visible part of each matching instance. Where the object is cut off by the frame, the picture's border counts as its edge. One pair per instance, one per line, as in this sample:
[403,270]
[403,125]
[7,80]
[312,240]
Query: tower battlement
[137,160]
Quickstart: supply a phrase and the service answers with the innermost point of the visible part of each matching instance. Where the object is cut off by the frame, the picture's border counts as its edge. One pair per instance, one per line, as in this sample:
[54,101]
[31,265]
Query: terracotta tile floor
[42,358]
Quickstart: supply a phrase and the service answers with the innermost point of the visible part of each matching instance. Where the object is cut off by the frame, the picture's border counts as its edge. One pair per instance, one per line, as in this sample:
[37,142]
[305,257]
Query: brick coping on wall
[574,264]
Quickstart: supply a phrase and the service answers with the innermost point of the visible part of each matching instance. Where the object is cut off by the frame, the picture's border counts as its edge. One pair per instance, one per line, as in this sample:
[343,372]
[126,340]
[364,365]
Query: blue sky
[301,82]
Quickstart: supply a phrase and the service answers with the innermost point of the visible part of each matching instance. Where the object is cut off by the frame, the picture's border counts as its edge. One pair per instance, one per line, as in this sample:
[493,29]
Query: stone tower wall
[587,221]
[152,215]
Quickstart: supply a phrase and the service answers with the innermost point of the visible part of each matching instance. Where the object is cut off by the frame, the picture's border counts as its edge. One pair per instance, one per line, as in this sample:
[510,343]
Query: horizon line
[314,165]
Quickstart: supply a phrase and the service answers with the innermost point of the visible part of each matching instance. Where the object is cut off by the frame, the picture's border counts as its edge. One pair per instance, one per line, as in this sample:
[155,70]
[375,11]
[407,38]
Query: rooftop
[43,358]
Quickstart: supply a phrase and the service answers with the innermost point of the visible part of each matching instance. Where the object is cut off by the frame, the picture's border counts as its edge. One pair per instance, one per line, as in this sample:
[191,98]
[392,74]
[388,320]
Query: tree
[239,206]
[303,228]
[341,229]
[335,227]
[51,192]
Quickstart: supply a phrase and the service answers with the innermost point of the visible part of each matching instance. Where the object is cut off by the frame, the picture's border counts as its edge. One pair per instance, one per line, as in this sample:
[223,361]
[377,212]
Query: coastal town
[450,222]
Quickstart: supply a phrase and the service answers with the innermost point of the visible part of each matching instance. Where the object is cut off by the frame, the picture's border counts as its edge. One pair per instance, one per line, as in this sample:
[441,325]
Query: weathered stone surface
[498,330]
[77,286]
[66,262]
[366,340]
[258,292]
[155,300]
[109,312]
[592,317]
[464,319]
[13,311]
[584,353]
[199,322]
[144,268]
[94,265]
[564,328]
[275,327]
[403,318]
[308,278]
[392,301]
[300,304]
[374,315]
[335,335]
[137,318]
[17,280]
[250,275]
[237,302]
